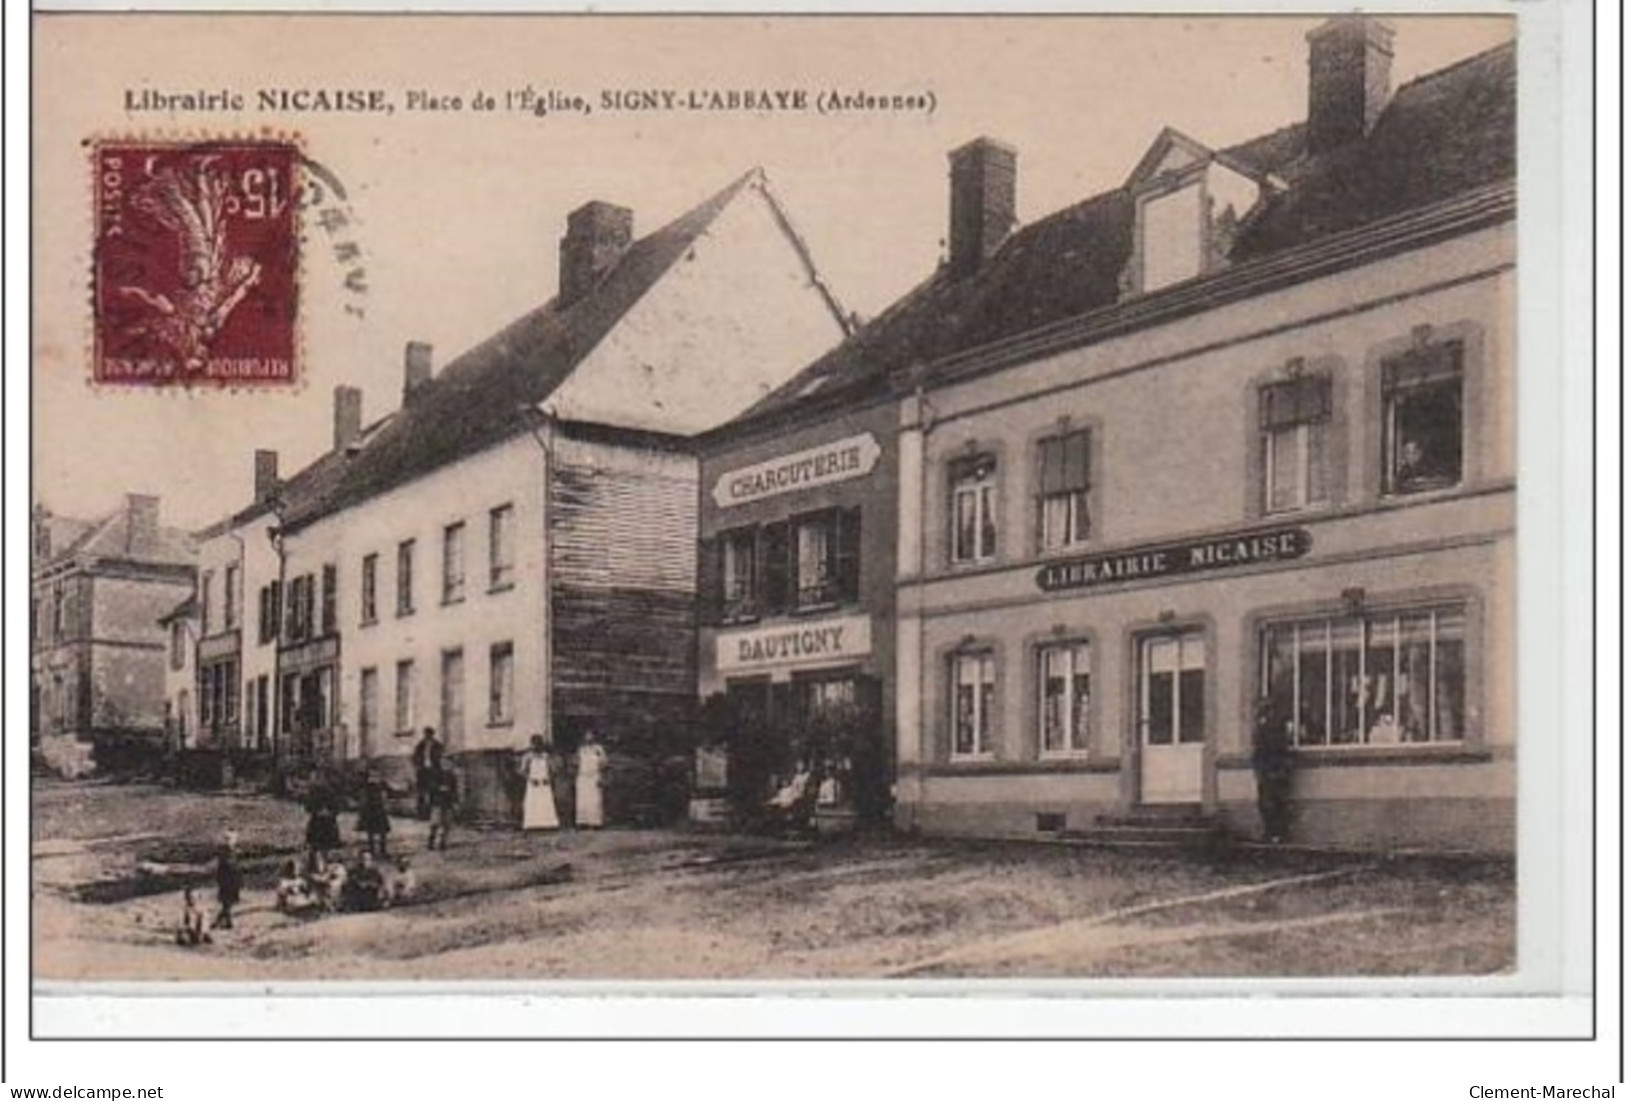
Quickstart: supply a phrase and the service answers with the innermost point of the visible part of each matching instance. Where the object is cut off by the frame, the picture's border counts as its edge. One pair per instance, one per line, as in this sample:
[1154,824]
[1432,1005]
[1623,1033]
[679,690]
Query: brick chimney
[346,417]
[1349,61]
[419,367]
[981,202]
[141,519]
[597,235]
[265,477]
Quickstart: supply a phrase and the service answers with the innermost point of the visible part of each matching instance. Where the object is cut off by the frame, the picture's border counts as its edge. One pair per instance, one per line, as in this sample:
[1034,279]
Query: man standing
[1272,767]
[426,759]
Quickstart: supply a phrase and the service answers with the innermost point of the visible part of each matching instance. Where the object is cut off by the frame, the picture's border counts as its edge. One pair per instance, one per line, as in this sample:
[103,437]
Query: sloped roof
[109,537]
[186,609]
[1439,136]
[485,395]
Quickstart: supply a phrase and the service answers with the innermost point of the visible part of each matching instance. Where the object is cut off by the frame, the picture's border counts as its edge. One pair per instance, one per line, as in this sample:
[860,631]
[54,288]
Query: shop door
[451,699]
[1172,717]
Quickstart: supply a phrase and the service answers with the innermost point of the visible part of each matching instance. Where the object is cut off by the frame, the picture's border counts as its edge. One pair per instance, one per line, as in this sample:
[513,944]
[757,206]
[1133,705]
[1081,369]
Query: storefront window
[1063,490]
[1422,419]
[974,497]
[1373,679]
[1295,417]
[973,700]
[1064,698]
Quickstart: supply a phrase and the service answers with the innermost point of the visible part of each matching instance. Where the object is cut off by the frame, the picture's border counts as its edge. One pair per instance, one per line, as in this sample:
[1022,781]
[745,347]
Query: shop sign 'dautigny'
[813,642]
[827,464]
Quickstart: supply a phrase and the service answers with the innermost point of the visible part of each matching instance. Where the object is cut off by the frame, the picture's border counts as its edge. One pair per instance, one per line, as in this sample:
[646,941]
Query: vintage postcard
[901,500]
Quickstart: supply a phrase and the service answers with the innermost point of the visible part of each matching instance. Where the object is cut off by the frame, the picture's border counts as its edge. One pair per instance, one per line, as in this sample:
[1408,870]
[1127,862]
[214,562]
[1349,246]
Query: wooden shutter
[848,552]
[710,581]
[776,567]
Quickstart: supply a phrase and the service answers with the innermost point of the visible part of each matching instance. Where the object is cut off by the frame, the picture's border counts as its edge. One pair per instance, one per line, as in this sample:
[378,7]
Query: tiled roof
[486,395]
[109,537]
[1439,136]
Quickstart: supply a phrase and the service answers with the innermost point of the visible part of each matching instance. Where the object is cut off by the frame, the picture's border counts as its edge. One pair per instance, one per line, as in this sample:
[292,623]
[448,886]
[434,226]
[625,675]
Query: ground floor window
[1063,697]
[1375,678]
[973,699]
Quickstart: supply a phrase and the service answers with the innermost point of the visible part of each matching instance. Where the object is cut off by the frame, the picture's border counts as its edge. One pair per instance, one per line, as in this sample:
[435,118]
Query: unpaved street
[110,861]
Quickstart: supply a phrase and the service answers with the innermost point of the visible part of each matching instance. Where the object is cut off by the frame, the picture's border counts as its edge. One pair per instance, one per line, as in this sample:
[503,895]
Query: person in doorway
[228,880]
[427,756]
[590,761]
[443,799]
[372,817]
[540,811]
[1272,767]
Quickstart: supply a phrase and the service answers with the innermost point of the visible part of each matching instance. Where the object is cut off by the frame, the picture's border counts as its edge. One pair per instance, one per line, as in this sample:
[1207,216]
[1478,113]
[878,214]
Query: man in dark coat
[1272,767]
[426,758]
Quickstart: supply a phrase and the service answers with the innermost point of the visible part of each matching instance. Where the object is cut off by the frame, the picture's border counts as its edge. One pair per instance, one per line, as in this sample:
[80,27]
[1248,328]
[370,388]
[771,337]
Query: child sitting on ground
[329,884]
[190,932]
[365,888]
[293,893]
[403,884]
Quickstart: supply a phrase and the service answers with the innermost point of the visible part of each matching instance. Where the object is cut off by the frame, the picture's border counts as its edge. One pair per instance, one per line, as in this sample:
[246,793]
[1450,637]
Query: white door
[1172,709]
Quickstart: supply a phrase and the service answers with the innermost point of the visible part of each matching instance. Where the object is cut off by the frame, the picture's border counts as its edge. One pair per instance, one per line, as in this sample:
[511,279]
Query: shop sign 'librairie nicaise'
[1218,552]
[852,457]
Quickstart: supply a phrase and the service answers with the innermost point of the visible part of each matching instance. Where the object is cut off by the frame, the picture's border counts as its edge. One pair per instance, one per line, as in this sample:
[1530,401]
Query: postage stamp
[196,263]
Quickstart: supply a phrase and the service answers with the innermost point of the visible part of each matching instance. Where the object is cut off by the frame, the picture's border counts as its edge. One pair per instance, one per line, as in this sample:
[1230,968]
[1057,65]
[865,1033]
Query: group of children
[325,885]
[319,884]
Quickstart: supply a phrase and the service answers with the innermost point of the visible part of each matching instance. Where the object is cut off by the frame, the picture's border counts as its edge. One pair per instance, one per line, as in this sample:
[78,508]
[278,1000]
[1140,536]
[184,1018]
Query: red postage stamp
[196,263]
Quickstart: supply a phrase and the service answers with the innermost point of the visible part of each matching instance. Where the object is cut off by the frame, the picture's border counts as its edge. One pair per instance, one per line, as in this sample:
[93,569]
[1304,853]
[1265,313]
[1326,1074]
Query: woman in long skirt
[590,783]
[540,812]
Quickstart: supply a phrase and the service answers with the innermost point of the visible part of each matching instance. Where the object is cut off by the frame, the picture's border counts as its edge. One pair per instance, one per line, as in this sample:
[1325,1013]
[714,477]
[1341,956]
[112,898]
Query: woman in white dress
[540,812]
[590,761]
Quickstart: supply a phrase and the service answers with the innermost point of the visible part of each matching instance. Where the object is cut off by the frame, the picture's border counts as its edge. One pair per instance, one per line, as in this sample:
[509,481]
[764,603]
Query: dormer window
[1189,201]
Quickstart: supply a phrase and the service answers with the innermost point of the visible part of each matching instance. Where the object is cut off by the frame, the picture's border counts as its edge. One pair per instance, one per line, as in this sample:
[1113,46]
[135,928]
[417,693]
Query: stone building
[97,653]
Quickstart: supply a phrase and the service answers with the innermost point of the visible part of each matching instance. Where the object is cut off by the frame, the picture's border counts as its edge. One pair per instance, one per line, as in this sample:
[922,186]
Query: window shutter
[848,548]
[776,563]
[710,581]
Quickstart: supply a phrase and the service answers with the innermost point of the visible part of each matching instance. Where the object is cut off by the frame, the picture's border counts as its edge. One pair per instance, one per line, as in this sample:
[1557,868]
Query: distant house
[511,553]
[96,649]
[1241,427]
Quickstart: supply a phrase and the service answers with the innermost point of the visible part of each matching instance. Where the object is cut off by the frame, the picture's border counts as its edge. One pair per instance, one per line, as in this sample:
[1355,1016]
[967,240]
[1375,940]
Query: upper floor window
[451,563]
[740,577]
[369,589]
[230,596]
[972,703]
[403,576]
[1376,678]
[502,547]
[330,599]
[1422,419]
[1295,417]
[301,610]
[59,597]
[1063,490]
[205,600]
[973,498]
[815,565]
[1063,698]
[270,610]
[405,695]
